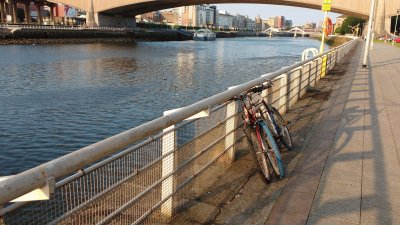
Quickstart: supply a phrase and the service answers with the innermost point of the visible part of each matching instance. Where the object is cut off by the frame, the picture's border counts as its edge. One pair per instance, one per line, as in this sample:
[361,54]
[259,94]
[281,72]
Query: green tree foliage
[349,21]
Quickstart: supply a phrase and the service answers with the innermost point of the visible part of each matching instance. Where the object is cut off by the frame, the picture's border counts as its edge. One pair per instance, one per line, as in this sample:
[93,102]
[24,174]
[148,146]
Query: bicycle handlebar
[256,89]
[261,88]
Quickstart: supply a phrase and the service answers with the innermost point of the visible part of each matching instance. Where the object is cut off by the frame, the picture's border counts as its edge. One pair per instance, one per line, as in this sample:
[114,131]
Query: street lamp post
[370,28]
[395,26]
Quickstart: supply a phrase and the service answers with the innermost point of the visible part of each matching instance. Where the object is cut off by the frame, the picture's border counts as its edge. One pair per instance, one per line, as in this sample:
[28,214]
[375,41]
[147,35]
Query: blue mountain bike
[264,144]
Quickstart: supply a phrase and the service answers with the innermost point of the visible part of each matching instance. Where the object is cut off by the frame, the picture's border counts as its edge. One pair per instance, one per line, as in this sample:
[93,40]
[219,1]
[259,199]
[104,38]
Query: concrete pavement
[350,170]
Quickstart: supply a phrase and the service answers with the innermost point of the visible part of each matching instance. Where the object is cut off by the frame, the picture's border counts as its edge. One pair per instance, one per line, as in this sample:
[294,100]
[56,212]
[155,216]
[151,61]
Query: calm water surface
[55,99]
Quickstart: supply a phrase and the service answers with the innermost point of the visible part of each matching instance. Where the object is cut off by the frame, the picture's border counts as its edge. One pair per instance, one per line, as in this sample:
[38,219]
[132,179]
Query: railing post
[319,69]
[283,94]
[168,167]
[305,78]
[297,77]
[336,57]
[230,127]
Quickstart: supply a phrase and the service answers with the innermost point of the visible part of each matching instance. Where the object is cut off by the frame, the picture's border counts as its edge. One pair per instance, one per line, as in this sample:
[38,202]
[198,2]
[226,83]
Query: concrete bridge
[107,11]
[121,12]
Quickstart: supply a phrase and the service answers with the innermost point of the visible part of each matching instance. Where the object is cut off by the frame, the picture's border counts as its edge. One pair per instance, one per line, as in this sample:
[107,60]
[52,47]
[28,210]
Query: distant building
[310,25]
[289,24]
[280,22]
[225,20]
[211,16]
[239,22]
[339,21]
[250,24]
[259,23]
[151,17]
[265,24]
[196,16]
[271,22]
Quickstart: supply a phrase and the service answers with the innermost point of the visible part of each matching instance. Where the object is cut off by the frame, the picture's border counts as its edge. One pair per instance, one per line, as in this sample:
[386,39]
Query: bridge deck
[346,168]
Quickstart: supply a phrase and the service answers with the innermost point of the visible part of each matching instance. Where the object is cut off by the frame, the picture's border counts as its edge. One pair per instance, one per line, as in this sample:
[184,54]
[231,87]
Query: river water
[55,99]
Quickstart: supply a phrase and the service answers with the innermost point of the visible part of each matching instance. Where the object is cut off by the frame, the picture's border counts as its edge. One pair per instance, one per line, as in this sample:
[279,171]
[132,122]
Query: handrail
[59,27]
[20,184]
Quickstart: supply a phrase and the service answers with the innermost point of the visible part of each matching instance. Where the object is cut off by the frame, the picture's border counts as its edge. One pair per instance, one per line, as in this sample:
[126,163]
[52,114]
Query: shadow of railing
[358,192]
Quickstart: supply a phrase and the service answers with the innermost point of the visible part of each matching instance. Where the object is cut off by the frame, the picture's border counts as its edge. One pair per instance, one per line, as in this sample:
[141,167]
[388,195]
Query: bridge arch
[129,8]
[359,8]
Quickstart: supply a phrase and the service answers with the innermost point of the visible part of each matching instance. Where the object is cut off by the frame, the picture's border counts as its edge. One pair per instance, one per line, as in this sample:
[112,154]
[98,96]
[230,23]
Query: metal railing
[146,175]
[57,27]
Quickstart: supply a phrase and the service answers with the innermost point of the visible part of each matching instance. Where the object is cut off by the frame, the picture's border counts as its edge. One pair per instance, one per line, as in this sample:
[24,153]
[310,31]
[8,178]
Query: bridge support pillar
[52,13]
[114,21]
[27,13]
[39,8]
[12,11]
[2,11]
[380,19]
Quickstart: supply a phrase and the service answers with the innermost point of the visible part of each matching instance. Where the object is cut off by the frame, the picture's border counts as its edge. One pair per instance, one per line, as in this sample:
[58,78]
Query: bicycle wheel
[259,147]
[273,154]
[284,134]
[268,116]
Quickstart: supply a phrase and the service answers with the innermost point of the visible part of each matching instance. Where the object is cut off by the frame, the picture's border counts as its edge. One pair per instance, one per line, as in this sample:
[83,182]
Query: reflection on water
[55,99]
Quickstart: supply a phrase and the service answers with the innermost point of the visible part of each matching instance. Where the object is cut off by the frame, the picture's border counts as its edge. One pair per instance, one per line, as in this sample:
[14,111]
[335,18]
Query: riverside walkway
[346,167]
[350,171]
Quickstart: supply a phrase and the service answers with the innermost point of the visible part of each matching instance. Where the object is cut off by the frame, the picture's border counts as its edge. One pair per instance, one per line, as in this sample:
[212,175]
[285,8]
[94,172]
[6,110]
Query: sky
[299,16]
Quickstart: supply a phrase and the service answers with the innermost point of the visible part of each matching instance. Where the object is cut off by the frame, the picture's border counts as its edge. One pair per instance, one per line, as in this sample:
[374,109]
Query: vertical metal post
[370,28]
[230,127]
[313,73]
[305,76]
[168,166]
[283,98]
[298,77]
[321,49]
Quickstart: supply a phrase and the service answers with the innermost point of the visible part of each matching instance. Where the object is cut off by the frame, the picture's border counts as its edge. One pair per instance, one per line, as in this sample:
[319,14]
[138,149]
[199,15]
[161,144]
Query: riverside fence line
[147,174]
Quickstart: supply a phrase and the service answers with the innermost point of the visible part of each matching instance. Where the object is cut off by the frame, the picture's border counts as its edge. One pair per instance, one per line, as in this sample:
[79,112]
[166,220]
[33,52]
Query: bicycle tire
[258,147]
[270,120]
[284,135]
[273,153]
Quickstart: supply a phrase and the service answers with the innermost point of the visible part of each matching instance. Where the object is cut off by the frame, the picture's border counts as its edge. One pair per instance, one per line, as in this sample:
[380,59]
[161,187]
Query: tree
[349,22]
[339,30]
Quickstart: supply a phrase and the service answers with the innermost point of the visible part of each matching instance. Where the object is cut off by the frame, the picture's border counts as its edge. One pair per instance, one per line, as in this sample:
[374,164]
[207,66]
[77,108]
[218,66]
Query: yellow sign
[326,7]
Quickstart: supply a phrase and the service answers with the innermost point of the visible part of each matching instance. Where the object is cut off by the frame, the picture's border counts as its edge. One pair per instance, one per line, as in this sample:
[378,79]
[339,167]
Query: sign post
[326,7]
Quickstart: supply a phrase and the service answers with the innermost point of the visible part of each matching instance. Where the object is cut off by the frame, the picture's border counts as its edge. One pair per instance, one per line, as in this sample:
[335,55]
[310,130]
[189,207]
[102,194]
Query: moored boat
[204,35]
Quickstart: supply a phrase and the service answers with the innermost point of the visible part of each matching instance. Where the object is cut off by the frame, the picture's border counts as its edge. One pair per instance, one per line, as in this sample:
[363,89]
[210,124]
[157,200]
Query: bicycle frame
[254,119]
[275,128]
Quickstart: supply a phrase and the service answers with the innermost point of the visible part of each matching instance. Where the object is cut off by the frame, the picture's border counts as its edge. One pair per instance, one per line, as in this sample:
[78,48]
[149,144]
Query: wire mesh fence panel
[90,198]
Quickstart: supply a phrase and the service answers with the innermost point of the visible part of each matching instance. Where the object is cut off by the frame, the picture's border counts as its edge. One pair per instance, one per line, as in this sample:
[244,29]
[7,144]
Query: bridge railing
[148,174]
